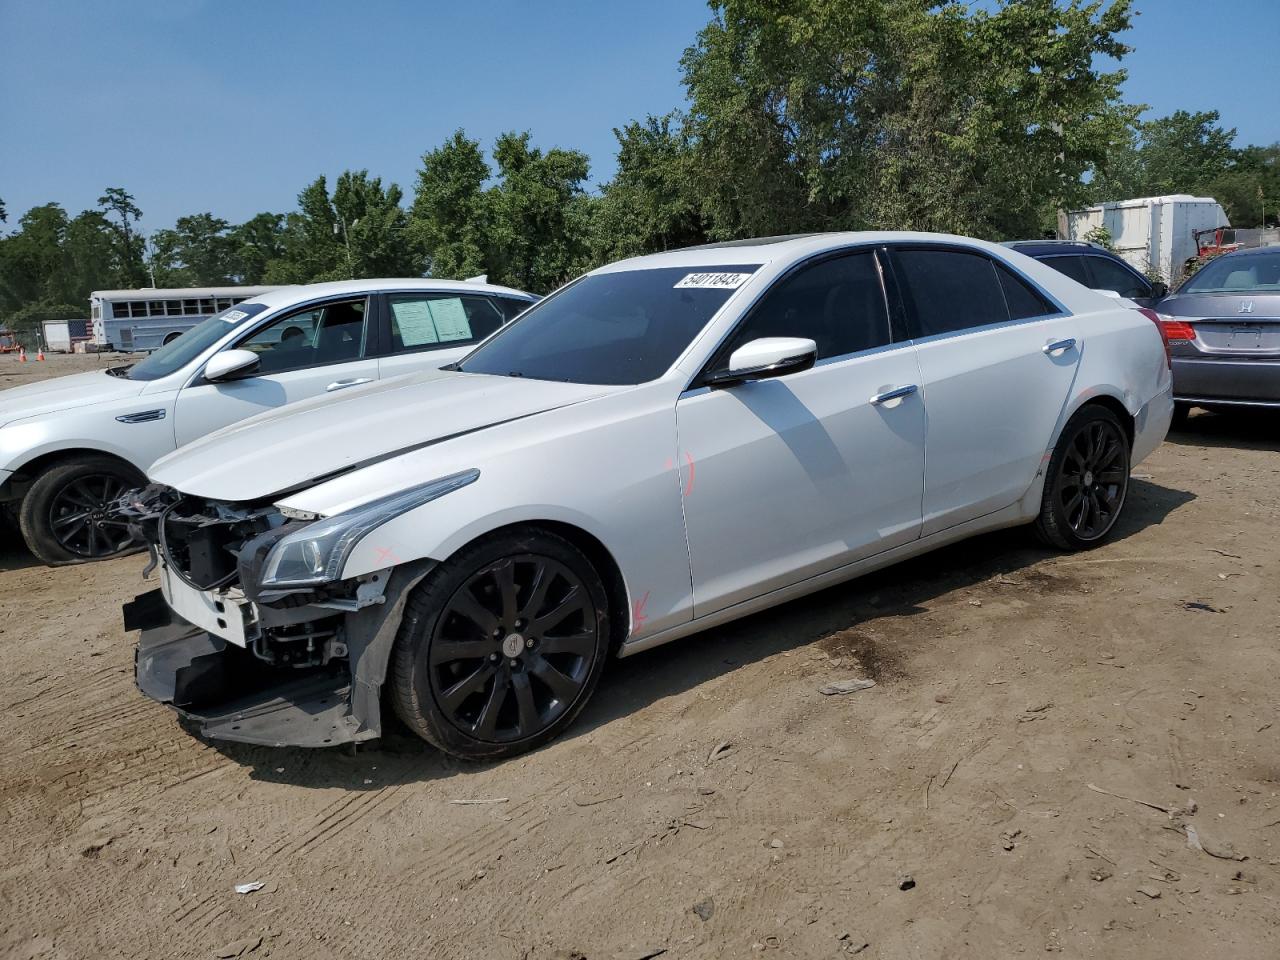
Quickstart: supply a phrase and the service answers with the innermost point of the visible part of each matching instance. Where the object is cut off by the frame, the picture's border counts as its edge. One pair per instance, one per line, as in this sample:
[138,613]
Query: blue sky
[233,106]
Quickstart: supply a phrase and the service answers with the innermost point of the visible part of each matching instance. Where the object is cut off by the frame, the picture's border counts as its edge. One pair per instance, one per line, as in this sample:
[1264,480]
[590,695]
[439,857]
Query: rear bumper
[223,692]
[1244,382]
[1152,424]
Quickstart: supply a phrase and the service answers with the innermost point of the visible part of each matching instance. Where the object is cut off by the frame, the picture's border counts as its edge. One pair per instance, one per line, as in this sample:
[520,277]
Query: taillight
[1177,329]
[1165,335]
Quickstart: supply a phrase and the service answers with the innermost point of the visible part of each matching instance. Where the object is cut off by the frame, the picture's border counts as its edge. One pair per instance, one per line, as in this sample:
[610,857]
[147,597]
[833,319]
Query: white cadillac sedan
[70,446]
[665,444]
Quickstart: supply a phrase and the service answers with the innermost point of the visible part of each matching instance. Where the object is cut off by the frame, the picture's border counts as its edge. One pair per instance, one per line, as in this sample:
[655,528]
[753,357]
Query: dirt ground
[1026,701]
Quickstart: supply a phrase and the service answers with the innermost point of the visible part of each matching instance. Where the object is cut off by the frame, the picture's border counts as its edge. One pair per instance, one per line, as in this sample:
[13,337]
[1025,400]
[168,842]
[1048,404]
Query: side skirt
[1011,516]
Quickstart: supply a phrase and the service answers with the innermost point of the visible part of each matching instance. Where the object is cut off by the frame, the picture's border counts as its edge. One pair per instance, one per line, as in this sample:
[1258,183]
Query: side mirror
[1159,289]
[229,364]
[764,358]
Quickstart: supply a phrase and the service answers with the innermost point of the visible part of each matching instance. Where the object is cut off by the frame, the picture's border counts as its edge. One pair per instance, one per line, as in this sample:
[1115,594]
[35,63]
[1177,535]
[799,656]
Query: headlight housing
[316,553]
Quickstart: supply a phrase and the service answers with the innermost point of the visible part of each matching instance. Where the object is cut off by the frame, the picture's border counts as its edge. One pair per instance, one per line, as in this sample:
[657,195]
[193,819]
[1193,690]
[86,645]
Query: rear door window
[1023,299]
[433,321]
[1072,267]
[949,290]
[1109,275]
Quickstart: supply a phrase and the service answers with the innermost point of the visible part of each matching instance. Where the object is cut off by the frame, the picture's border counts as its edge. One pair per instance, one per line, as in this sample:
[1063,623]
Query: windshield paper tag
[713,281]
[235,316]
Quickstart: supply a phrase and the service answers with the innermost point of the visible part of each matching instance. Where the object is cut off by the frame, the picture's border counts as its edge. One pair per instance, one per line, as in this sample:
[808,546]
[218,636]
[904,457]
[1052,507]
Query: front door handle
[895,394]
[343,384]
[1059,346]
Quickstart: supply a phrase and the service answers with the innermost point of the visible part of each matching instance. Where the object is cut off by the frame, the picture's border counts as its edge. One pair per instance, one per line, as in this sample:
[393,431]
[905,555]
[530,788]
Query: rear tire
[501,645]
[65,516]
[1086,482]
[1181,413]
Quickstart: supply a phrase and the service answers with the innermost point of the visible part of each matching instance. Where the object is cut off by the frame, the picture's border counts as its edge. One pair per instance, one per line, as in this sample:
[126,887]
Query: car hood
[1265,305]
[63,393]
[297,445]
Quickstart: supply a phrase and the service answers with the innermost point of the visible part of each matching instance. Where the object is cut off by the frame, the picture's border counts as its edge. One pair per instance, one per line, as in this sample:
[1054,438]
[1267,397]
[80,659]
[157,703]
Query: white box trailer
[1154,234]
[60,335]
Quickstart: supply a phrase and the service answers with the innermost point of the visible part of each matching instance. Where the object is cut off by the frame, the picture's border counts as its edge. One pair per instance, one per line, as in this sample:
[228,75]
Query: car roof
[761,250]
[311,291]
[1041,248]
[1250,252]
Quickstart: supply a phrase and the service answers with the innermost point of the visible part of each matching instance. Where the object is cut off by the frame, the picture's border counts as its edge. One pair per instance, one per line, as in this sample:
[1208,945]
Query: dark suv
[1095,267]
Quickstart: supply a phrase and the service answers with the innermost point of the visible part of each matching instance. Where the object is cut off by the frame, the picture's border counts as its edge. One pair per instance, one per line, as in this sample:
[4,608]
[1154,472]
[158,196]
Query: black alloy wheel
[82,520]
[67,514]
[1087,482]
[513,648]
[501,647]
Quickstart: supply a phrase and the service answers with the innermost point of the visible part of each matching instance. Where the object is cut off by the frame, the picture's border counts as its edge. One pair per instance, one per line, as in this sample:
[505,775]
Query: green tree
[361,231]
[122,213]
[650,205]
[539,215]
[197,252]
[449,220]
[1251,187]
[825,114]
[1181,153]
[1185,152]
[254,244]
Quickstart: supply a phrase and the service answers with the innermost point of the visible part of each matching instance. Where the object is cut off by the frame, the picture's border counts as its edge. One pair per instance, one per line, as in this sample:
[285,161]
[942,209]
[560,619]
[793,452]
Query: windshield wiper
[121,371]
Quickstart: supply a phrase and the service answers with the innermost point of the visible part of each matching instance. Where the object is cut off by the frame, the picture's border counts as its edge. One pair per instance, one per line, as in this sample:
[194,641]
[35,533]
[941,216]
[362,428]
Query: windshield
[610,328]
[178,353]
[1256,272]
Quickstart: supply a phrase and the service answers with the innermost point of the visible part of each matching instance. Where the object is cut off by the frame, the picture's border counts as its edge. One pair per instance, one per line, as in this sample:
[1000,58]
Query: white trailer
[60,335]
[1156,235]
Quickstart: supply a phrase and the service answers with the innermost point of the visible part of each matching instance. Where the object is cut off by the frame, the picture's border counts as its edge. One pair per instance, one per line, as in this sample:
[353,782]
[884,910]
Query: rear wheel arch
[1117,407]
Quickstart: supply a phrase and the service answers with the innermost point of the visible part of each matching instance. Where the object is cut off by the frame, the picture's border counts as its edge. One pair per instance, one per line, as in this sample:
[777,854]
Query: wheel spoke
[76,495]
[453,697]
[581,643]
[542,578]
[504,574]
[465,605]
[562,687]
[448,651]
[63,520]
[572,602]
[528,710]
[487,722]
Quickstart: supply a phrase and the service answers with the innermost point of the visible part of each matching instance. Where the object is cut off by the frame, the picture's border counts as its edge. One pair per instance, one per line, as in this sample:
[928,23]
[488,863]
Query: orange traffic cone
[40,353]
[22,354]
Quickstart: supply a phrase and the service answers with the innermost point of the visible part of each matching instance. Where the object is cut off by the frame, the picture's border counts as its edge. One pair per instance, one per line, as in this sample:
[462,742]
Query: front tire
[501,646]
[1086,482]
[66,514]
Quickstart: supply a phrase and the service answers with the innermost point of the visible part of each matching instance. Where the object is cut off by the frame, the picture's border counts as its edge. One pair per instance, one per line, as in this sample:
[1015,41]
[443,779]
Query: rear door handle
[343,384]
[895,394]
[1059,346]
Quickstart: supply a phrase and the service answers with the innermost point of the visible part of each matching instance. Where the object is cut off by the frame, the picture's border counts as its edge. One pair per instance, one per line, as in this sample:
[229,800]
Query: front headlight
[316,553]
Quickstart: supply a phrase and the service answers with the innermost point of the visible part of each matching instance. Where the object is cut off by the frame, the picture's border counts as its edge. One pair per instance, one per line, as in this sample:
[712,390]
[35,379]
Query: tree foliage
[801,115]
[824,114]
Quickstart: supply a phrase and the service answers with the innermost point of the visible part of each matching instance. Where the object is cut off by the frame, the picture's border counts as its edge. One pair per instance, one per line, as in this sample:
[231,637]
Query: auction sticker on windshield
[714,281]
[234,316]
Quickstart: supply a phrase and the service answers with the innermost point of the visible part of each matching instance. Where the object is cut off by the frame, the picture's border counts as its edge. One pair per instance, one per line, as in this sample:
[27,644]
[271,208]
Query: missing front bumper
[225,693]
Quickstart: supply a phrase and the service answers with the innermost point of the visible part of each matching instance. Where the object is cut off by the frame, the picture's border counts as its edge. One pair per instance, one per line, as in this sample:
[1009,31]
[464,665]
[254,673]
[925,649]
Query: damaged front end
[252,636]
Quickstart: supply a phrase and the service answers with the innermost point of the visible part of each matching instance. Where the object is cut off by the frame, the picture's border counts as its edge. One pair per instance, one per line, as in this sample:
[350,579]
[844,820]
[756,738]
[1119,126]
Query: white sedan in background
[663,445]
[70,446]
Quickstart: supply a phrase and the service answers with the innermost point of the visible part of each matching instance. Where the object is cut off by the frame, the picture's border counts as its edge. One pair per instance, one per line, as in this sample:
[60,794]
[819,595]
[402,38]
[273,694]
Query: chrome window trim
[1061,313]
